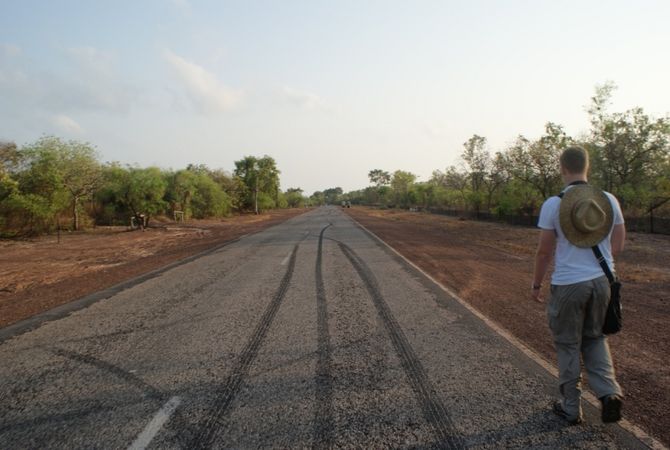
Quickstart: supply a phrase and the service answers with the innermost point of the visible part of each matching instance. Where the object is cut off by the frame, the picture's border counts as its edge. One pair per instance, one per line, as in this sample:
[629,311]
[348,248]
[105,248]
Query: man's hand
[545,251]
[535,295]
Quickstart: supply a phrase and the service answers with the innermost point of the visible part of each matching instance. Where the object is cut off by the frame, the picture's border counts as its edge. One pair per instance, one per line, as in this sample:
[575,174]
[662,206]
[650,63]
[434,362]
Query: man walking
[580,218]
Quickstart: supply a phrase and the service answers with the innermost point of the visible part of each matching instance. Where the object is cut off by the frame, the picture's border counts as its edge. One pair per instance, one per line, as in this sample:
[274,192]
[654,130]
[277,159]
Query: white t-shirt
[574,264]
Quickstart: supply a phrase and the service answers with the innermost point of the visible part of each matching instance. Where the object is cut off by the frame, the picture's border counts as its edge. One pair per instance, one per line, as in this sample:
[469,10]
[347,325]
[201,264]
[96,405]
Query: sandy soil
[490,266]
[39,274]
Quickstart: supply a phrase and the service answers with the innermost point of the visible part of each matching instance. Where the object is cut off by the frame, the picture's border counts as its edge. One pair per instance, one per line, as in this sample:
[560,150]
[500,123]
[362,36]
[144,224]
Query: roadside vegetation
[630,157]
[56,184]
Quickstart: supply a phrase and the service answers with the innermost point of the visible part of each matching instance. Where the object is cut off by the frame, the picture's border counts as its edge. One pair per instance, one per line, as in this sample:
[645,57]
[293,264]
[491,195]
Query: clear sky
[329,88]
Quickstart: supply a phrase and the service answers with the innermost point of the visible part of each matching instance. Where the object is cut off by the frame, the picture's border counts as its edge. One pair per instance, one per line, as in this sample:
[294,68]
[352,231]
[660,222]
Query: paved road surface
[309,334]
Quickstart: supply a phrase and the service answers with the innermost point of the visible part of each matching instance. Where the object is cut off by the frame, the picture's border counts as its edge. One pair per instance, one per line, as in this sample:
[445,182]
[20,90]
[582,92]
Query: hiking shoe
[560,412]
[611,408]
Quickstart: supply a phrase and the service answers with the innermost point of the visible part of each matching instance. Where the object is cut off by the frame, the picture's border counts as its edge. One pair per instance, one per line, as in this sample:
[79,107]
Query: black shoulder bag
[613,317]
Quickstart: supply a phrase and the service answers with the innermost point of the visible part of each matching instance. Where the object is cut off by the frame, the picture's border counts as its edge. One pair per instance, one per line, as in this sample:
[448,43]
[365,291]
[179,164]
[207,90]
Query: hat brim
[572,234]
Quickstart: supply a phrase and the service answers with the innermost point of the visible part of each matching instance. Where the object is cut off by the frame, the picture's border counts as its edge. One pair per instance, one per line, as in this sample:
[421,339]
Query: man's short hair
[575,160]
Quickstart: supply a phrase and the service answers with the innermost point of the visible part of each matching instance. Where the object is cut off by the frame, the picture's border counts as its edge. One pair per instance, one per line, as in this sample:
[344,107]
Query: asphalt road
[309,334]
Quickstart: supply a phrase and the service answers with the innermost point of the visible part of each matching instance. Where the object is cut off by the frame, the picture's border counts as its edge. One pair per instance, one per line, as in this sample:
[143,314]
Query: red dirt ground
[490,266]
[39,274]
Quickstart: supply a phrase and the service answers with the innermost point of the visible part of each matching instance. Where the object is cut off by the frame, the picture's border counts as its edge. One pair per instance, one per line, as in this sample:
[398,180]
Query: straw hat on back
[586,215]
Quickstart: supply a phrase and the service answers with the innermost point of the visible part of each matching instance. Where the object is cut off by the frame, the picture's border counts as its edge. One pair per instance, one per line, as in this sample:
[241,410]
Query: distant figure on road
[580,292]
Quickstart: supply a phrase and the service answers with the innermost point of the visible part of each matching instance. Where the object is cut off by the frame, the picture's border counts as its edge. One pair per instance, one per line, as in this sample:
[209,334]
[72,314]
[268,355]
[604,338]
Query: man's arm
[618,239]
[545,251]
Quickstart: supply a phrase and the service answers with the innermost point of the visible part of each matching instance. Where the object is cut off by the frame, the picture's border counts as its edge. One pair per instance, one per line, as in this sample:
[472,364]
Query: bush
[209,200]
[265,202]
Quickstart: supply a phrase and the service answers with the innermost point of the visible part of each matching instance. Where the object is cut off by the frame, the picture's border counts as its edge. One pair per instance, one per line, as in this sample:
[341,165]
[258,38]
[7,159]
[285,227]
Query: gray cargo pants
[576,314]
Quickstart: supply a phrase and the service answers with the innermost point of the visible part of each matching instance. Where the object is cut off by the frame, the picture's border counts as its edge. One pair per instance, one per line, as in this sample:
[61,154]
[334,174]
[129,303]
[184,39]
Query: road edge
[635,430]
[34,322]
[64,310]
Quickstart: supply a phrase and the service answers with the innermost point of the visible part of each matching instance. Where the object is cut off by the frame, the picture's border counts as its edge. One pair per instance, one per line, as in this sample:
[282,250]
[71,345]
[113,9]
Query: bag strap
[596,250]
[603,263]
[572,184]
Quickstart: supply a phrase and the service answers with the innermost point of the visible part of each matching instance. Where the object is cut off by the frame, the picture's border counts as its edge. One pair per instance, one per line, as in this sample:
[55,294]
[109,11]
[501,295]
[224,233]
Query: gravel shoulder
[490,265]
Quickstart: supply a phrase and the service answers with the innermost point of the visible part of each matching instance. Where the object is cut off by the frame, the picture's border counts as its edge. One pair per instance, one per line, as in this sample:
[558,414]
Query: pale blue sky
[331,89]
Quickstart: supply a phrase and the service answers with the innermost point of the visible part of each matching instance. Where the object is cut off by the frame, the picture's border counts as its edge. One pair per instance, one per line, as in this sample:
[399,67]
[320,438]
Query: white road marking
[153,427]
[285,261]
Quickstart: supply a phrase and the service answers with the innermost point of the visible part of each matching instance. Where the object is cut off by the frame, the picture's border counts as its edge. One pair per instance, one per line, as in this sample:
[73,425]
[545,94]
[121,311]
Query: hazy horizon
[329,90]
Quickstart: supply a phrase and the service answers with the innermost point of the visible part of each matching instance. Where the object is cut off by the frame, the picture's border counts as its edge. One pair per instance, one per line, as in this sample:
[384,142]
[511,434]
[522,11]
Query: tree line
[53,183]
[630,157]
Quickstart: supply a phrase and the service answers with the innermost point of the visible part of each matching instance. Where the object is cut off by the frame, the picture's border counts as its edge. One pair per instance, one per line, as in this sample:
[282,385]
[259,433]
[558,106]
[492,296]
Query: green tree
[145,191]
[282,201]
[209,199]
[42,194]
[69,165]
[496,179]
[269,177]
[333,196]
[294,198]
[231,185]
[478,164]
[628,149]
[317,198]
[424,194]
[110,196]
[379,177]
[379,194]
[8,186]
[259,176]
[661,194]
[17,210]
[9,159]
[401,183]
[537,162]
[133,190]
[181,188]
[246,171]
[453,181]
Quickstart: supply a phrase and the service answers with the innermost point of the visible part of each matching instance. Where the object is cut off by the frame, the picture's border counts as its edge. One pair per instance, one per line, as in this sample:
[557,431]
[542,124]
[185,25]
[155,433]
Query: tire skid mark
[147,389]
[64,310]
[323,414]
[54,420]
[170,302]
[306,357]
[123,333]
[206,432]
[433,409]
